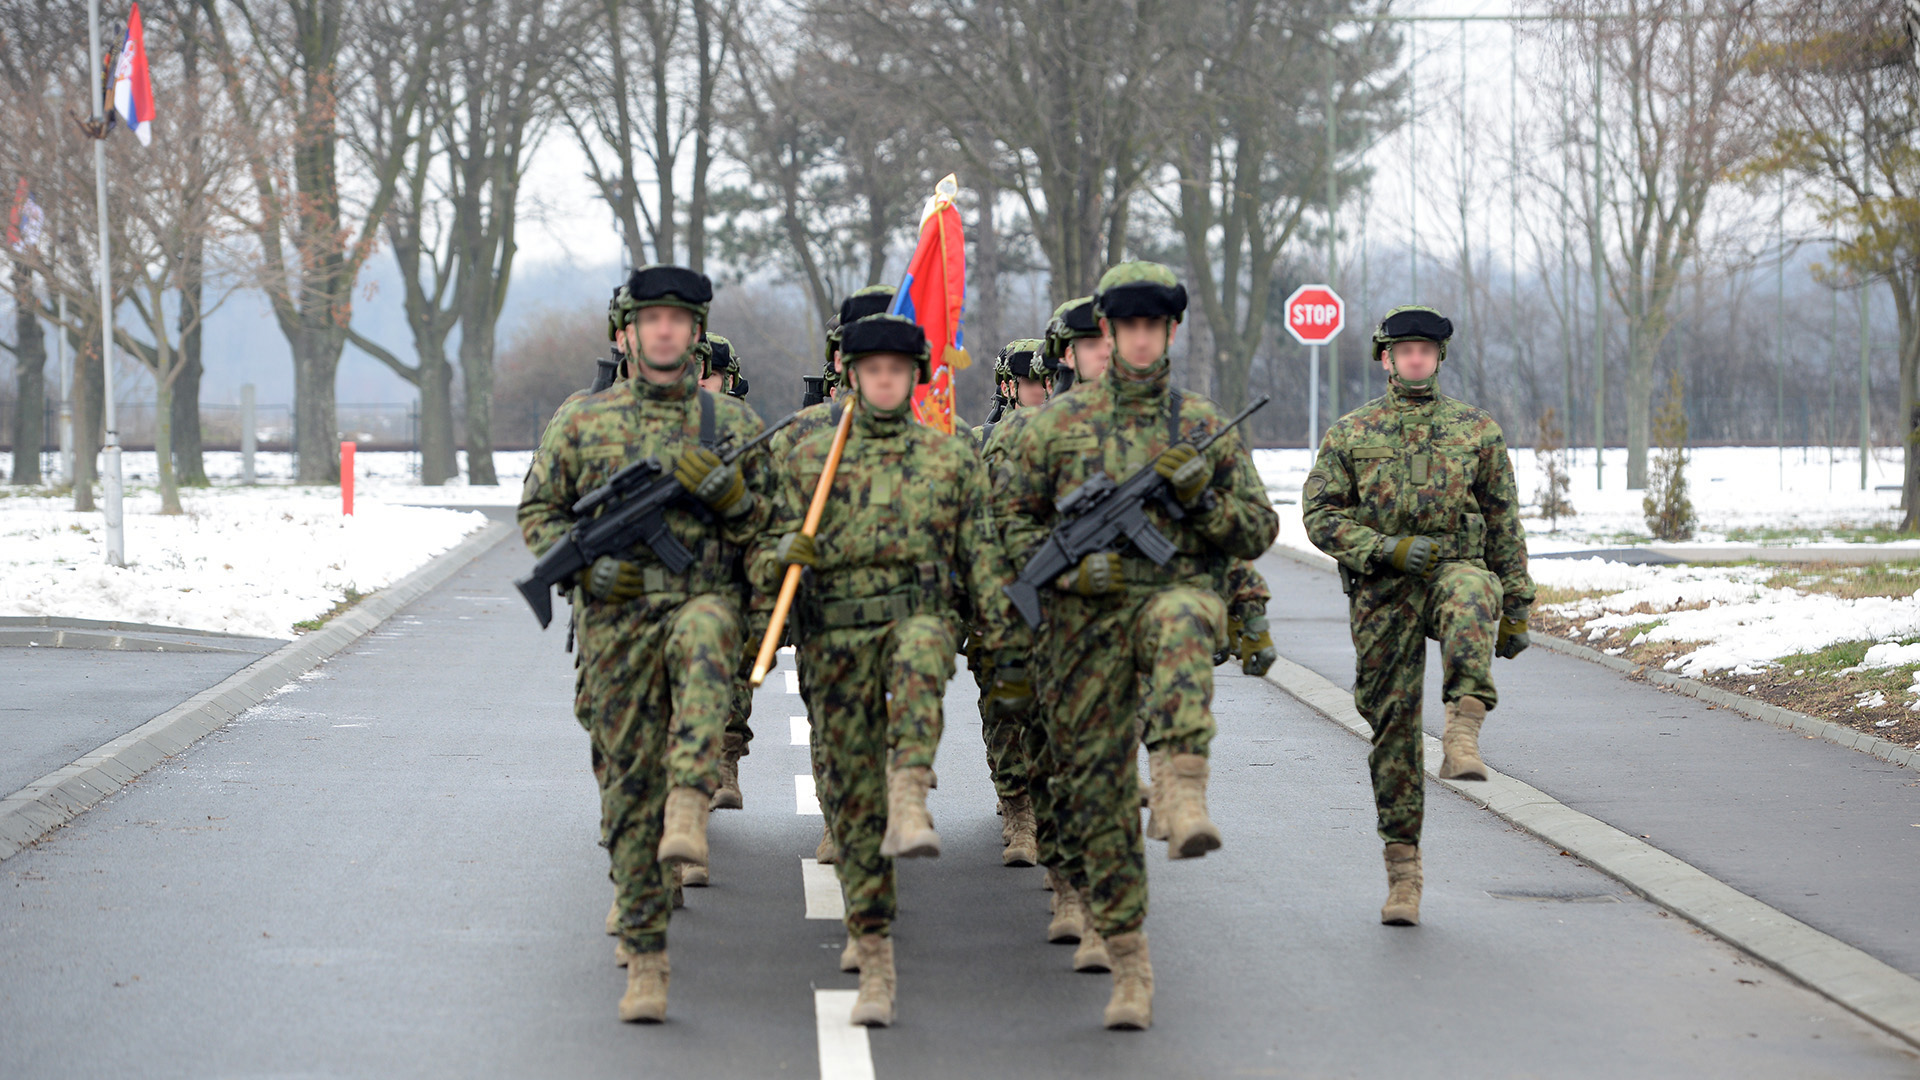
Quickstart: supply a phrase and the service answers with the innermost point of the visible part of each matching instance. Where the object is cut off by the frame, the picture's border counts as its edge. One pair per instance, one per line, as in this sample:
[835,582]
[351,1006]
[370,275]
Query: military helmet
[1413,322]
[1136,290]
[720,357]
[1016,360]
[1071,321]
[871,300]
[659,285]
[887,334]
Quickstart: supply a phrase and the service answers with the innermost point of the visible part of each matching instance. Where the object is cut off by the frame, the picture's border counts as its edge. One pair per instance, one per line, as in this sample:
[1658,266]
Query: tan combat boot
[679,872]
[645,1001]
[909,827]
[1092,955]
[1190,833]
[1157,770]
[1403,886]
[1460,742]
[621,957]
[684,839]
[613,917]
[825,853]
[874,1006]
[693,877]
[1023,842]
[727,795]
[850,956]
[1069,919]
[1131,1006]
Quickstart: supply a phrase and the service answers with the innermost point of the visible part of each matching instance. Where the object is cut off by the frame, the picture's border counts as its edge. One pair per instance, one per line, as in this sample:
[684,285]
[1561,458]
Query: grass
[1844,532]
[353,597]
[1891,579]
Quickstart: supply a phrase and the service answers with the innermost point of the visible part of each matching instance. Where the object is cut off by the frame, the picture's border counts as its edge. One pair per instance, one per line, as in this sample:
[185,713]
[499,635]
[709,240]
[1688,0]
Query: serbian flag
[933,296]
[132,86]
[25,220]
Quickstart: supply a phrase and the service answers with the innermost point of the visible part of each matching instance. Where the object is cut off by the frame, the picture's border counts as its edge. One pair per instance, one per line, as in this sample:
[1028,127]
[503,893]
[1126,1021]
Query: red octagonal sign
[1315,314]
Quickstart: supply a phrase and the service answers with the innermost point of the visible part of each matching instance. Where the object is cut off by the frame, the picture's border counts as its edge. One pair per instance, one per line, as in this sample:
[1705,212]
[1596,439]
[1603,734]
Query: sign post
[1315,315]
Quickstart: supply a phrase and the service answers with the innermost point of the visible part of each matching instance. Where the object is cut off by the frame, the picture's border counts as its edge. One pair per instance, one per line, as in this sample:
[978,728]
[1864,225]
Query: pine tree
[1669,512]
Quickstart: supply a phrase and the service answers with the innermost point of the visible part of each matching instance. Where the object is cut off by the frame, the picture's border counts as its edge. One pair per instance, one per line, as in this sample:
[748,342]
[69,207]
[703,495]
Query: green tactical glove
[794,548]
[712,481]
[1257,653]
[1097,575]
[1416,555]
[1183,467]
[1231,648]
[615,581]
[1512,639]
[1012,691]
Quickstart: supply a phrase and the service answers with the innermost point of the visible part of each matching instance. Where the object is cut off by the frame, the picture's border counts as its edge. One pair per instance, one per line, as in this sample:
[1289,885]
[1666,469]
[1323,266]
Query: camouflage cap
[1413,322]
[1016,360]
[1135,290]
[886,334]
[1071,320]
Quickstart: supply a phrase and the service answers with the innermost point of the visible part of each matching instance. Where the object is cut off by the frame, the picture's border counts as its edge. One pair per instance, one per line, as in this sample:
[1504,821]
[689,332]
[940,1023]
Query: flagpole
[110,451]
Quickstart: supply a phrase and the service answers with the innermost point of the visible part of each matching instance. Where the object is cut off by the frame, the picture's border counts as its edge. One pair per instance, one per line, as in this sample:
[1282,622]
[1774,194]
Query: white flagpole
[110,452]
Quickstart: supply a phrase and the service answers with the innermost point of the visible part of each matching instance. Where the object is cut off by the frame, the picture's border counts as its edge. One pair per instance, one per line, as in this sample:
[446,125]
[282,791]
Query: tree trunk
[476,371]
[189,460]
[1639,407]
[87,383]
[30,367]
[439,462]
[1908,422]
[316,362]
[163,439]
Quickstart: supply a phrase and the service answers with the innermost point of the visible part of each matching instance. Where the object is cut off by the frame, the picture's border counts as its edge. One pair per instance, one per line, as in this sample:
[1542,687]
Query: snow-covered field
[241,560]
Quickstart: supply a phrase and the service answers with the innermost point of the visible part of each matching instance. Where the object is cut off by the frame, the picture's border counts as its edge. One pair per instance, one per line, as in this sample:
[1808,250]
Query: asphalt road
[390,870]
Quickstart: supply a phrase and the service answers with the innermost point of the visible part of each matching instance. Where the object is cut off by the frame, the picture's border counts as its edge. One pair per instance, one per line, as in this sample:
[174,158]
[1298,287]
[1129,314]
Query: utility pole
[1599,269]
[1413,154]
[110,450]
[1333,233]
[1780,334]
[1866,400]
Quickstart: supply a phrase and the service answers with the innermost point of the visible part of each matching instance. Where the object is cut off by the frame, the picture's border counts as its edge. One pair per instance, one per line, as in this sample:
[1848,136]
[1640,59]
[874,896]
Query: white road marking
[793,681]
[805,802]
[845,1053]
[801,732]
[786,650]
[824,899]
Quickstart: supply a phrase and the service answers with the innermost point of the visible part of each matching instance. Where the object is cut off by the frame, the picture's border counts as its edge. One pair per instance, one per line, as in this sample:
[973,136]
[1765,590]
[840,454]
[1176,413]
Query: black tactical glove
[615,581]
[712,481]
[795,547]
[1257,653]
[1416,555]
[1012,691]
[1184,467]
[1512,639]
[1097,575]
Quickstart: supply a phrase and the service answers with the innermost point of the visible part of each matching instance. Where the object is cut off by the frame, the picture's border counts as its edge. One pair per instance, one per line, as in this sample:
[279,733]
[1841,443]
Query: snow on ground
[240,560]
[389,475]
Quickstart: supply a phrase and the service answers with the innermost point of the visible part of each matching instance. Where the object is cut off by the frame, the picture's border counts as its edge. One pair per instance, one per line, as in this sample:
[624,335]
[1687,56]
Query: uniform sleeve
[987,569]
[1025,503]
[1506,550]
[1242,522]
[785,511]
[1248,593]
[743,530]
[550,489]
[1327,507]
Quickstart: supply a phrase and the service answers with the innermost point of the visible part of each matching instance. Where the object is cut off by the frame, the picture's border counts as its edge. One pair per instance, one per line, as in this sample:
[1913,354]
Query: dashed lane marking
[824,900]
[845,1053]
[793,681]
[800,732]
[805,802]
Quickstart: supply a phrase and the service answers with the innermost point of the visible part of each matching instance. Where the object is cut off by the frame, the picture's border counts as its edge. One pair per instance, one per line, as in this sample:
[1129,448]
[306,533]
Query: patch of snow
[1890,654]
[1872,699]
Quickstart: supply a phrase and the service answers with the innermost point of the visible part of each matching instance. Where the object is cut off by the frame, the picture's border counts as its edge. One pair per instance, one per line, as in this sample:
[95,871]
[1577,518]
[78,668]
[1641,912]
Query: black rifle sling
[707,421]
[1173,417]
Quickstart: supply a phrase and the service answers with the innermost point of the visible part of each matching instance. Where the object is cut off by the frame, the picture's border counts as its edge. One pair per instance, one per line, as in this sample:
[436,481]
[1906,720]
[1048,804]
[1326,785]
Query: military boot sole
[1091,957]
[873,1013]
[1063,931]
[643,1011]
[726,798]
[1194,843]
[1020,855]
[850,957]
[1400,915]
[695,877]
[1469,769]
[919,844]
[1128,1018]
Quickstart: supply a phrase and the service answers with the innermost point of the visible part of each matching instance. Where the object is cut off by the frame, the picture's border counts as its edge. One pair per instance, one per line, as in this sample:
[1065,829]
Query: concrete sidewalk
[1829,836]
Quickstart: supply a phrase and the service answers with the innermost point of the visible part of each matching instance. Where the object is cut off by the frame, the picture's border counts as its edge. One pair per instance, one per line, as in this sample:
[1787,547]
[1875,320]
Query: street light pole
[110,451]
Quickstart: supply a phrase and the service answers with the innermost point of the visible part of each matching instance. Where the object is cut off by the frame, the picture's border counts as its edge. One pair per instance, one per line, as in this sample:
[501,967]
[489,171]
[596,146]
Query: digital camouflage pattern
[1005,736]
[656,674]
[902,553]
[1245,591]
[1417,464]
[1162,624]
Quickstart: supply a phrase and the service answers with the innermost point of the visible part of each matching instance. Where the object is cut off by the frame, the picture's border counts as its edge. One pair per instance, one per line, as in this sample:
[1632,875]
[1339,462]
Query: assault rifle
[631,507]
[1101,515]
[605,371]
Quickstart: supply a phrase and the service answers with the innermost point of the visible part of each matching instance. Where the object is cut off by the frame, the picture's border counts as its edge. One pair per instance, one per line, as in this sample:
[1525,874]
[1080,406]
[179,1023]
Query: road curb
[61,795]
[1753,708]
[1867,987]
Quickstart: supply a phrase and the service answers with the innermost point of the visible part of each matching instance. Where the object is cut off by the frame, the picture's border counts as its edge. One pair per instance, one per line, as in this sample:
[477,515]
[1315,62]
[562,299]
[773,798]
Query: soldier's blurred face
[1415,360]
[884,380]
[1140,342]
[666,333]
[1090,355]
[1031,392]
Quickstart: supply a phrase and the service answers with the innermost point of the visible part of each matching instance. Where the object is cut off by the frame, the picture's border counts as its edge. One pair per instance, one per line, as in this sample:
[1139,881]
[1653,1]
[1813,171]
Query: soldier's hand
[1183,466]
[615,581]
[712,481]
[1012,690]
[1232,647]
[1257,653]
[1512,639]
[1097,575]
[1416,555]
[795,548]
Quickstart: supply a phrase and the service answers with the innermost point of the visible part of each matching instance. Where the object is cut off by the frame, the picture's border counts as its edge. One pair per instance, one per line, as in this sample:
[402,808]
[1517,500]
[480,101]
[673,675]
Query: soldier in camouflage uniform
[657,649]
[901,552]
[720,374]
[1414,495]
[871,300]
[1117,616]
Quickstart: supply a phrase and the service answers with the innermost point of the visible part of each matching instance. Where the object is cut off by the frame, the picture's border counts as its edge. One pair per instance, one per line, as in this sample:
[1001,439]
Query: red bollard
[346,478]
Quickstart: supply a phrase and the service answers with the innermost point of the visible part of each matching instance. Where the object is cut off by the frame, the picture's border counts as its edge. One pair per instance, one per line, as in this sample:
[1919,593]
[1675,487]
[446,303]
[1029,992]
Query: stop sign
[1315,314]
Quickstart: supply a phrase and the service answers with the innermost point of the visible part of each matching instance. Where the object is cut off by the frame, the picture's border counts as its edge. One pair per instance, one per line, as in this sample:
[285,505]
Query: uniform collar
[681,389]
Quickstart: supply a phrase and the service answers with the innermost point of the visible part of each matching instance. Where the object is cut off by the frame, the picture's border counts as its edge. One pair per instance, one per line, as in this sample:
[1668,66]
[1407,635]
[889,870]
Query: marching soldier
[1414,495]
[1117,616]
[657,649]
[720,374]
[901,551]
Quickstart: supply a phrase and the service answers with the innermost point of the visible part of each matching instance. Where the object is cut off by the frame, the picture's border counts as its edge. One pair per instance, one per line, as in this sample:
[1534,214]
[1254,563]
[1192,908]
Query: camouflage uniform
[1160,622]
[902,551]
[1006,756]
[655,671]
[1416,463]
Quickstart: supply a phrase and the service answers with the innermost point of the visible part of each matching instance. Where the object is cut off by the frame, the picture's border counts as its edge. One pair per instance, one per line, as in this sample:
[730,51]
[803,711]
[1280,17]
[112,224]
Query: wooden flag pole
[777,625]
